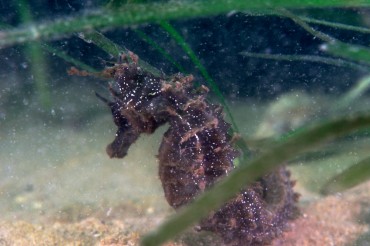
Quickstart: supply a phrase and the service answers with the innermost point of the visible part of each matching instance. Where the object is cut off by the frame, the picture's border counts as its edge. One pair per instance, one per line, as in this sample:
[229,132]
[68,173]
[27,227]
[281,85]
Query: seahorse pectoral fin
[125,136]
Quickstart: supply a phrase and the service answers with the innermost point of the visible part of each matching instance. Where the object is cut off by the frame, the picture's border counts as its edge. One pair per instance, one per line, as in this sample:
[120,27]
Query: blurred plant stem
[37,62]
[140,13]
[38,66]
[354,175]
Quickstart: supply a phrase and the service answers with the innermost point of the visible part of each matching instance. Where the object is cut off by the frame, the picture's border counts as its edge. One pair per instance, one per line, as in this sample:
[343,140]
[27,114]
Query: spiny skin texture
[195,153]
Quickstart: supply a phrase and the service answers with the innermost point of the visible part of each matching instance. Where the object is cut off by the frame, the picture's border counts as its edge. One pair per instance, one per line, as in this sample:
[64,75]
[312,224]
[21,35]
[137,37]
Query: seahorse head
[137,102]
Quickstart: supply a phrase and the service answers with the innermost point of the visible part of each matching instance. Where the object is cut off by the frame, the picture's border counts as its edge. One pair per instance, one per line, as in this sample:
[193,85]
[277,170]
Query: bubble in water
[24,65]
[25,102]
[323,47]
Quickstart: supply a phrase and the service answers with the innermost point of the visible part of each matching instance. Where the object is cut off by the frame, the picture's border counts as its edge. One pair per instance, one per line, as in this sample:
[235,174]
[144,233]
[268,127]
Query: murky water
[58,186]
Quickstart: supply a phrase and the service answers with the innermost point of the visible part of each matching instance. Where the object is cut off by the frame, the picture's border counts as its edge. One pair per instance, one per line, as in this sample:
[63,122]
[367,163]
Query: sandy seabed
[58,187]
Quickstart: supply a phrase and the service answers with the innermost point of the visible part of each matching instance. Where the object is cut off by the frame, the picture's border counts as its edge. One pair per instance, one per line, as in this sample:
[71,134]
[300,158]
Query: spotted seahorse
[196,151]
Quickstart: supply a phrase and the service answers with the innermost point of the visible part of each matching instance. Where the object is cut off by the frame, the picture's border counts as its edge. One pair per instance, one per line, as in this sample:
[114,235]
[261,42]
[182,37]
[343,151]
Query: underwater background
[276,69]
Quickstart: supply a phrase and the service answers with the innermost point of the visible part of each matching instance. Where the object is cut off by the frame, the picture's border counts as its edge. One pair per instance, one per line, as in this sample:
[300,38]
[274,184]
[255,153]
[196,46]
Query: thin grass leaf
[353,94]
[333,46]
[304,25]
[336,25]
[151,42]
[61,54]
[182,43]
[311,20]
[250,171]
[308,58]
[349,178]
[113,49]
[102,42]
[133,14]
[349,51]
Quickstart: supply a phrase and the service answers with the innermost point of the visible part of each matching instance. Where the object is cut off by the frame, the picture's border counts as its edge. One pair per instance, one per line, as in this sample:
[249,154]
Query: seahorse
[196,152]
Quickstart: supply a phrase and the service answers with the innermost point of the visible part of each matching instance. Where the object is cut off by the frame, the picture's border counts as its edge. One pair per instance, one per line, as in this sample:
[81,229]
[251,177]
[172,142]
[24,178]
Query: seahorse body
[195,153]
